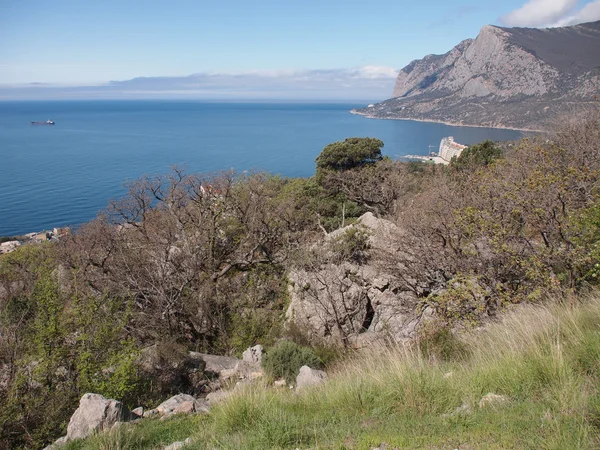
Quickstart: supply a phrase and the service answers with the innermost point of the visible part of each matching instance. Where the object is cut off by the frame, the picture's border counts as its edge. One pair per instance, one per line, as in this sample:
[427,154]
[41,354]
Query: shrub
[353,245]
[285,359]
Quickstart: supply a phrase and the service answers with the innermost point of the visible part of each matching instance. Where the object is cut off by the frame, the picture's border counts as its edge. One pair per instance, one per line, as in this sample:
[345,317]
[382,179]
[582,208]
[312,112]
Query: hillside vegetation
[542,363]
[201,262]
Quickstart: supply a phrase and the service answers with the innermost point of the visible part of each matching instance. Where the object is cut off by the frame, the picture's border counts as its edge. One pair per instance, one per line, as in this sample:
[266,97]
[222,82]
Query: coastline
[452,124]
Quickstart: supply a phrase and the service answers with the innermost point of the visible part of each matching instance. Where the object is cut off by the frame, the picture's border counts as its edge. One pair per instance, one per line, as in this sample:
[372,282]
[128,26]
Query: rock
[492,399]
[377,303]
[150,413]
[253,355]
[309,377]
[137,412]
[185,408]
[223,367]
[95,413]
[185,402]
[177,445]
[280,383]
[60,442]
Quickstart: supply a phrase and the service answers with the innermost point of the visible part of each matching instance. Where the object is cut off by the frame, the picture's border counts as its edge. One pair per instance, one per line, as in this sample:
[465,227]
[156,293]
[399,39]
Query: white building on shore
[449,149]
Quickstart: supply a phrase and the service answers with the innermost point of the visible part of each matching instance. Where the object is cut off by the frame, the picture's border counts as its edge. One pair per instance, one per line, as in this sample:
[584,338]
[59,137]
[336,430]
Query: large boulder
[309,377]
[181,403]
[253,355]
[95,413]
[356,303]
[222,367]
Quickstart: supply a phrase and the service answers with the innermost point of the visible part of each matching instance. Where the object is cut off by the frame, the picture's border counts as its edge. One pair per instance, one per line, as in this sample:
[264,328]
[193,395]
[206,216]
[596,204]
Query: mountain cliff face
[506,77]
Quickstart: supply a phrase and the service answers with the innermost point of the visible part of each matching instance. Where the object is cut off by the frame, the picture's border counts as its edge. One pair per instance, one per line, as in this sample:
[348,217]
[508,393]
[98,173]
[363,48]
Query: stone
[223,367]
[280,383]
[177,445]
[309,377]
[137,412]
[171,405]
[60,442]
[95,413]
[150,413]
[492,399]
[378,304]
[185,408]
[253,355]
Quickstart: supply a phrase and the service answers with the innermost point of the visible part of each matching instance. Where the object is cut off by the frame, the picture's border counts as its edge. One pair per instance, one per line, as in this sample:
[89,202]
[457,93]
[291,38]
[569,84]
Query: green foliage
[543,361]
[285,359]
[254,326]
[352,245]
[349,154]
[585,226]
[475,156]
[105,359]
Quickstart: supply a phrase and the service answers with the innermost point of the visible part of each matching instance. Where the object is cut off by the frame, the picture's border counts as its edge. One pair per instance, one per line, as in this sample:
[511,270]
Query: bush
[285,359]
[353,245]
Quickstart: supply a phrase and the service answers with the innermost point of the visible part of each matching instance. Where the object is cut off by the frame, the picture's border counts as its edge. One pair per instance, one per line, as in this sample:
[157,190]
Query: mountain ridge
[518,78]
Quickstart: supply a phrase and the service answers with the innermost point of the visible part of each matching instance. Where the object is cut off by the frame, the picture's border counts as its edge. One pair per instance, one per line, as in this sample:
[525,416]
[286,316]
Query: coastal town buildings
[33,238]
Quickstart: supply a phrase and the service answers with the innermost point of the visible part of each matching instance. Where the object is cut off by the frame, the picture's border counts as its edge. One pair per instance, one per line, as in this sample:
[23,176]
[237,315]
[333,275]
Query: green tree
[478,155]
[349,154]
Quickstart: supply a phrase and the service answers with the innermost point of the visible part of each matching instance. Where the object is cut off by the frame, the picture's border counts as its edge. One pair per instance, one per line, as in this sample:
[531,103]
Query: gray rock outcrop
[353,303]
[309,377]
[508,77]
[223,367]
[95,413]
[253,355]
[181,403]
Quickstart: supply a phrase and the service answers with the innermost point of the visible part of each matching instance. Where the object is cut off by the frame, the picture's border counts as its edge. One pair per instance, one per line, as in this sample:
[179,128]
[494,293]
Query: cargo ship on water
[47,122]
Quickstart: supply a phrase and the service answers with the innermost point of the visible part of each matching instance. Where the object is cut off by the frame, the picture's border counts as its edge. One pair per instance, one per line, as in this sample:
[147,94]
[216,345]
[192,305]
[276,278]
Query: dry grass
[545,361]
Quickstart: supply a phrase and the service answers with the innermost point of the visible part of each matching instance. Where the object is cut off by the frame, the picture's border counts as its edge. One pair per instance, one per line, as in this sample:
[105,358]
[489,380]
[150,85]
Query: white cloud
[589,13]
[537,13]
[377,72]
[368,82]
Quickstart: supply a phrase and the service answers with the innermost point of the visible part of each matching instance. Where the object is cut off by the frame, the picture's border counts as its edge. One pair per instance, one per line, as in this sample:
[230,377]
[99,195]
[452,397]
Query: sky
[242,49]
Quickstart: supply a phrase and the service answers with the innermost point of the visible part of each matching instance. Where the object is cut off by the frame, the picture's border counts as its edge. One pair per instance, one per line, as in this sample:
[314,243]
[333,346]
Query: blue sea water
[64,174]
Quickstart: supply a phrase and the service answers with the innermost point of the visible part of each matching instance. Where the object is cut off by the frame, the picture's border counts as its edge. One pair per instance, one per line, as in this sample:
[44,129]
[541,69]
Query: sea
[64,174]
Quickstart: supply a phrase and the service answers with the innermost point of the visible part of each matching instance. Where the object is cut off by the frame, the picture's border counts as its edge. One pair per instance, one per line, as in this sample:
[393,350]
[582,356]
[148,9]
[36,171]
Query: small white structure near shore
[450,149]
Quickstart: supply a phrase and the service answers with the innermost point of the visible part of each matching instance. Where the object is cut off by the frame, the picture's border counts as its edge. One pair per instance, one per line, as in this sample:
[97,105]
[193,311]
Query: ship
[47,122]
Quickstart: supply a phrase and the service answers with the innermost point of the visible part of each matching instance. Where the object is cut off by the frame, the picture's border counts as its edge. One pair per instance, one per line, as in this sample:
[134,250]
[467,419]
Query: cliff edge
[506,77]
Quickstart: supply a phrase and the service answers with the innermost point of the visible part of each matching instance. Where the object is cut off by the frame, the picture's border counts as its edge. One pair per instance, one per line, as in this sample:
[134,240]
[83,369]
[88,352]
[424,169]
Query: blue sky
[249,49]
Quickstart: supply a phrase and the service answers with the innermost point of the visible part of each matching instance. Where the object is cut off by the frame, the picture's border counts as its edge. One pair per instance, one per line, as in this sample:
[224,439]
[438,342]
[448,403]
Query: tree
[478,155]
[349,154]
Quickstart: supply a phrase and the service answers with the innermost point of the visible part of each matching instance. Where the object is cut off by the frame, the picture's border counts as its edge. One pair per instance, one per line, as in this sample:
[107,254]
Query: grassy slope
[545,360]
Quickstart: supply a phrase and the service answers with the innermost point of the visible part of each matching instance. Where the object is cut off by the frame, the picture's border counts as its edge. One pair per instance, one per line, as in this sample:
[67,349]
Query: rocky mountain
[506,77]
